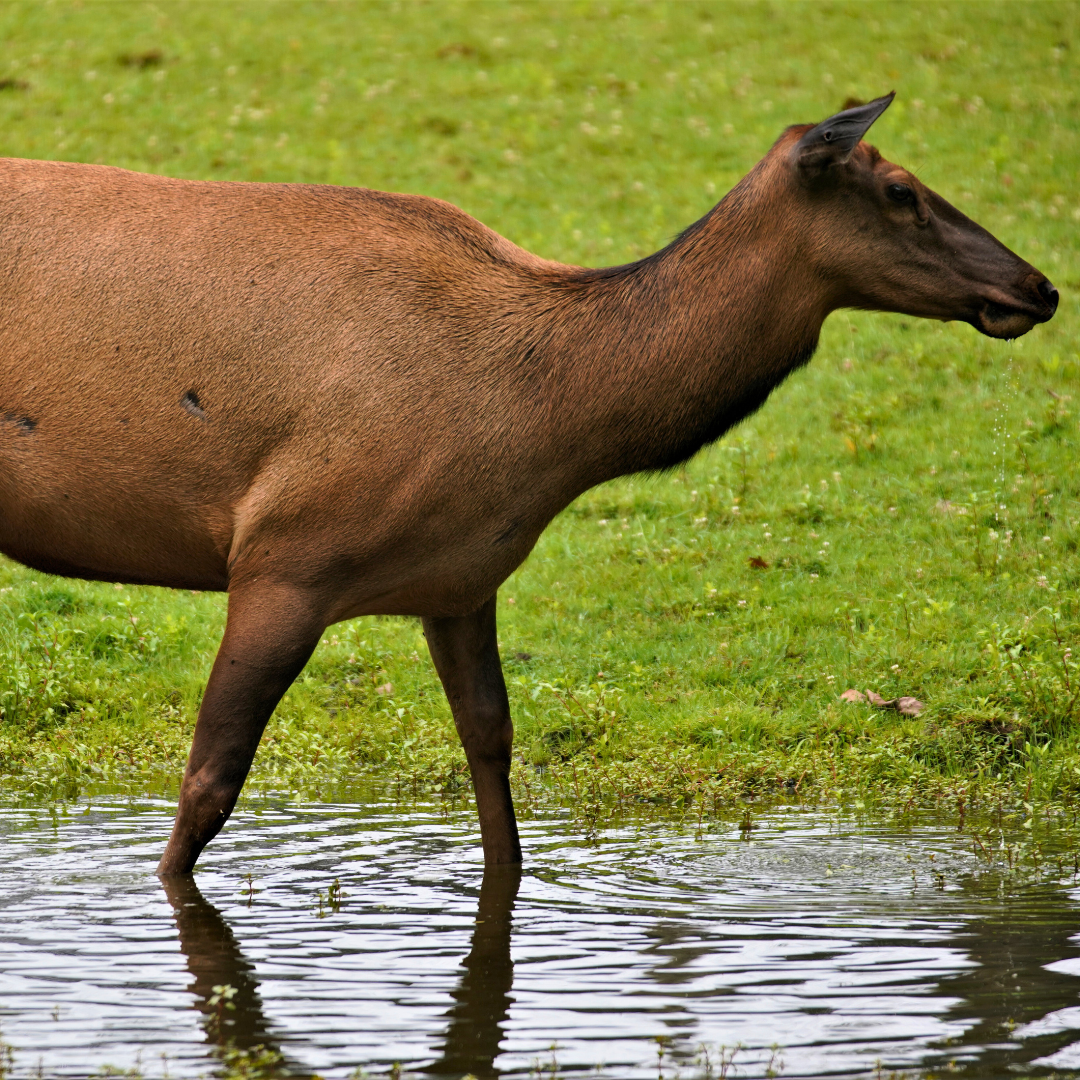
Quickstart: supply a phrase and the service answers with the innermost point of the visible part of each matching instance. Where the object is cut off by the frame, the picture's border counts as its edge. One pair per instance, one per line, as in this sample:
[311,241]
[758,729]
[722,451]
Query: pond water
[367,935]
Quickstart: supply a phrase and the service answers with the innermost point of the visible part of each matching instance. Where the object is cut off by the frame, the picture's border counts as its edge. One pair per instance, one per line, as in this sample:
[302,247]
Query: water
[1001,430]
[842,944]
[1002,434]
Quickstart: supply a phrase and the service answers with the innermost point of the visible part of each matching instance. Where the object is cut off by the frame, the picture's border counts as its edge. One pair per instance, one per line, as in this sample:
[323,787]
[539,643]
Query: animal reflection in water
[1010,975]
[482,998]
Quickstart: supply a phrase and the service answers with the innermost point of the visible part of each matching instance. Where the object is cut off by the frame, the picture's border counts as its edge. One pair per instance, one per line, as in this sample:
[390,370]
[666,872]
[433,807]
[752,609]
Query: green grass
[914,492]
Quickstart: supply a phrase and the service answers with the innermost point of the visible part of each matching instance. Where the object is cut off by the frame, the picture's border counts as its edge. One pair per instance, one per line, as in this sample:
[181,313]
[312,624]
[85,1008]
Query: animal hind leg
[466,655]
[270,633]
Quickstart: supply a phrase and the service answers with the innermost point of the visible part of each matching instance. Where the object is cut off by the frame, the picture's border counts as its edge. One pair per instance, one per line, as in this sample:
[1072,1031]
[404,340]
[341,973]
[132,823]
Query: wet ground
[368,935]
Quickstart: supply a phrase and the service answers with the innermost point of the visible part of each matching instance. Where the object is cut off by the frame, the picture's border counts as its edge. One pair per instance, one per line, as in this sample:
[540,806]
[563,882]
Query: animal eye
[900,193]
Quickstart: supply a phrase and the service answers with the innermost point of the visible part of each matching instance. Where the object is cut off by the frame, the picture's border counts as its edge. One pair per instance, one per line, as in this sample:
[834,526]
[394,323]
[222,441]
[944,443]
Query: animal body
[333,402]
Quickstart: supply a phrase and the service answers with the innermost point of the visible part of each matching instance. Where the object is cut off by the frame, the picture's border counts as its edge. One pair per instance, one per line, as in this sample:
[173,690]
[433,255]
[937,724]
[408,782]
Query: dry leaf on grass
[757,563]
[906,706]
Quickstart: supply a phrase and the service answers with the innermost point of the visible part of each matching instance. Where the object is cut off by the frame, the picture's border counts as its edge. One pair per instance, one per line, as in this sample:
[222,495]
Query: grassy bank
[902,516]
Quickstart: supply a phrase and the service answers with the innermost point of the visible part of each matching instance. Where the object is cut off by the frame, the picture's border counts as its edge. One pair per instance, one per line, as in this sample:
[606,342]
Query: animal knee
[207,800]
[487,732]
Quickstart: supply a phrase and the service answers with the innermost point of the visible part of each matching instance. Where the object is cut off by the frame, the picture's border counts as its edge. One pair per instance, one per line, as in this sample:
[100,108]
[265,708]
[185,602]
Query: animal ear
[832,141]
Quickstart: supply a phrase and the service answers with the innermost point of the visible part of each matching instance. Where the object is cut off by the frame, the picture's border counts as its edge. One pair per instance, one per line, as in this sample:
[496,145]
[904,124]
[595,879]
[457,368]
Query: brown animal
[334,402]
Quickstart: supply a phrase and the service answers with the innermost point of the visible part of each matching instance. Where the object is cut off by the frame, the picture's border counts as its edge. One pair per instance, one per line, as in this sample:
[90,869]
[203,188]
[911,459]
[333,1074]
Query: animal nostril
[1049,294]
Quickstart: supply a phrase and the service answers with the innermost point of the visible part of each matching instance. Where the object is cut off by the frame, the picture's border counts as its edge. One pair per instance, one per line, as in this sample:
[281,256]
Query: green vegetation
[902,516]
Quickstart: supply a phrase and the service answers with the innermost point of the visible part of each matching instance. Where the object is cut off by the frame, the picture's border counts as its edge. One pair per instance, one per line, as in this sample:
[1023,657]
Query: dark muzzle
[1050,295]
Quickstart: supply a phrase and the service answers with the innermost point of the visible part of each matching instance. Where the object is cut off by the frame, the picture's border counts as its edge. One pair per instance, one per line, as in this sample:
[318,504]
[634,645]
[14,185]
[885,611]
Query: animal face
[883,240]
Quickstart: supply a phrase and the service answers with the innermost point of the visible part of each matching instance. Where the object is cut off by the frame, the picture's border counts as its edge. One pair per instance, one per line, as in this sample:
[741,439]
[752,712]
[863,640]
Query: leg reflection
[215,960]
[483,995]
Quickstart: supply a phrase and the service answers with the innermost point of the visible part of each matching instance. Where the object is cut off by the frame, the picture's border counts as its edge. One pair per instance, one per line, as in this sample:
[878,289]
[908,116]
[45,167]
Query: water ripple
[827,940]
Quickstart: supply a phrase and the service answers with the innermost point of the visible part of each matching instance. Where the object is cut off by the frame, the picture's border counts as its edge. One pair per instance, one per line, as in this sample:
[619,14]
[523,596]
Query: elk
[332,402]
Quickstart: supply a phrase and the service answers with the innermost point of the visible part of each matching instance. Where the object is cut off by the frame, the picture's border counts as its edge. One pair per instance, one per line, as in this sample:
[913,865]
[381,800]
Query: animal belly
[107,523]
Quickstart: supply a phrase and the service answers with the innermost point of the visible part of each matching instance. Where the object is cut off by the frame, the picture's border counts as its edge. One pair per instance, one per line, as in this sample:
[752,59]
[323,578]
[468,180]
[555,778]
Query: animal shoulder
[398,224]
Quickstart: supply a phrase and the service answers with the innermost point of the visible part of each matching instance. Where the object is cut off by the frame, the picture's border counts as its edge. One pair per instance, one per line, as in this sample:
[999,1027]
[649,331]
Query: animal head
[882,240]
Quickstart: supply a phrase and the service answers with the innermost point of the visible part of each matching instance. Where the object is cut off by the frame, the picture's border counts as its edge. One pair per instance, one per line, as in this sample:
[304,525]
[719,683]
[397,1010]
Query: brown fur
[335,402]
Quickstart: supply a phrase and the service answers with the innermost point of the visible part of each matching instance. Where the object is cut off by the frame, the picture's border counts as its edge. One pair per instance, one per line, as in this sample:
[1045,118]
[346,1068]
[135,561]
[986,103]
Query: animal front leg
[270,633]
[466,655]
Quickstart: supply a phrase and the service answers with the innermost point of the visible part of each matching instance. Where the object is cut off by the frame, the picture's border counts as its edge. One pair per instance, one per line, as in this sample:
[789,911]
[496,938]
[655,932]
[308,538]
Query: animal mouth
[1010,320]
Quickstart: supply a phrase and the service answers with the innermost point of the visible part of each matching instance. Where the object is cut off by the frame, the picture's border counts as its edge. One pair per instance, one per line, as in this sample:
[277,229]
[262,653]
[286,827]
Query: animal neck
[664,355]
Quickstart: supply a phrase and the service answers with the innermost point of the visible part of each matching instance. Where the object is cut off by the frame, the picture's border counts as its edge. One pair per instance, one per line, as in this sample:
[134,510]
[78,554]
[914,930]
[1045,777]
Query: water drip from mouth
[1001,434]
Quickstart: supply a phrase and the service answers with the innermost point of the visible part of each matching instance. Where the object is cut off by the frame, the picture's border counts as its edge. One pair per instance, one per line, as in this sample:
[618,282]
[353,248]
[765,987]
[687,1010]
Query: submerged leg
[466,655]
[269,636]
